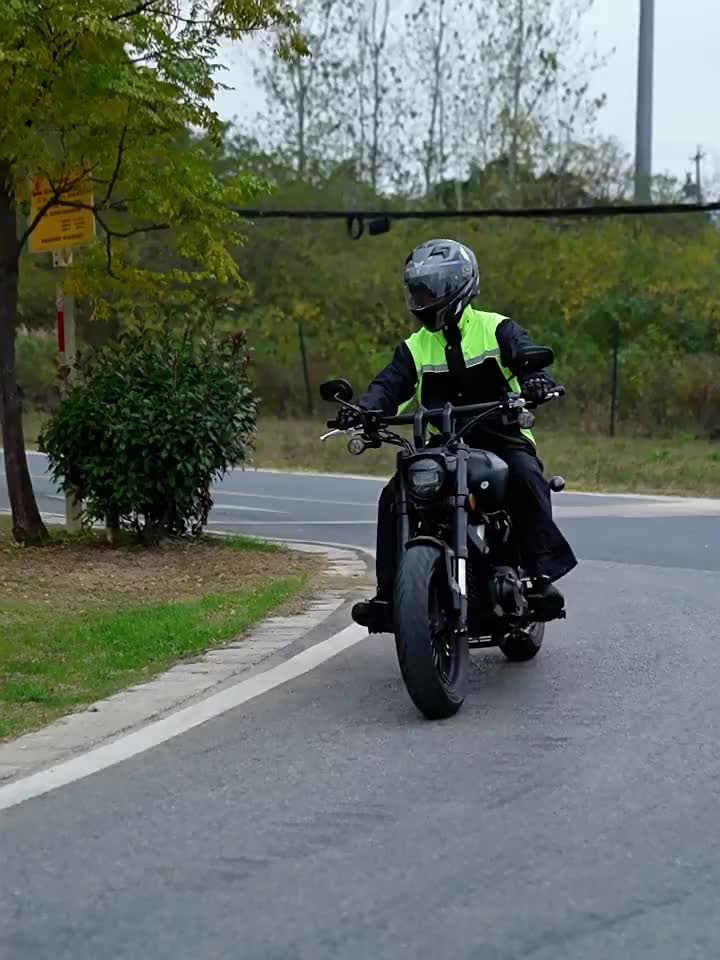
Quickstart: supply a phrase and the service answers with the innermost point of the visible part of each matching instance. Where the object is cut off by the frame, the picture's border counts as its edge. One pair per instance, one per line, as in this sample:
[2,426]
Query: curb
[187,681]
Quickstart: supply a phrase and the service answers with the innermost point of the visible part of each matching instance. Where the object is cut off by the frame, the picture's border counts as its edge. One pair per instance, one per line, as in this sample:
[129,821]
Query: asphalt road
[569,811]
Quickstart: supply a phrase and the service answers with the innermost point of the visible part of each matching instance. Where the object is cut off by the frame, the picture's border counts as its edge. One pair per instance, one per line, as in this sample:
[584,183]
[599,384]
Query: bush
[147,424]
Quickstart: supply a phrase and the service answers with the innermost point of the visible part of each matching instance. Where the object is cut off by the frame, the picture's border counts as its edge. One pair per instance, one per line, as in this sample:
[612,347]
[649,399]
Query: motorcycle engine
[506,593]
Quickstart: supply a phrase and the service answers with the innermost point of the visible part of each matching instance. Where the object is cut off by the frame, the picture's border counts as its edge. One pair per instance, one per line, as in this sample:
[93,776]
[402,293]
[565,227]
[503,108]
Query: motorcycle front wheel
[433,659]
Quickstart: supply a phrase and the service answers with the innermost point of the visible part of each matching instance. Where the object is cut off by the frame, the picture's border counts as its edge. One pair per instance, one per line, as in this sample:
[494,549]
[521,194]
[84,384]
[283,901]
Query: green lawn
[79,621]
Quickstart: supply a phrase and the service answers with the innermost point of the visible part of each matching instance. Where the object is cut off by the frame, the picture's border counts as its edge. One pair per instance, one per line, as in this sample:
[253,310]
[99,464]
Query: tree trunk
[518,74]
[301,123]
[27,523]
[430,156]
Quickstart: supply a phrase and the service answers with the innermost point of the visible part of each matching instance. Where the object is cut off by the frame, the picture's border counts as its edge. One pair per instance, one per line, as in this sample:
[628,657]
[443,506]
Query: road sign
[61,226]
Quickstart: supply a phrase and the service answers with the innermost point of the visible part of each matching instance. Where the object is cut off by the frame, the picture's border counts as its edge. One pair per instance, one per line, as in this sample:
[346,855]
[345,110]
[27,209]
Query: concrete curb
[187,681]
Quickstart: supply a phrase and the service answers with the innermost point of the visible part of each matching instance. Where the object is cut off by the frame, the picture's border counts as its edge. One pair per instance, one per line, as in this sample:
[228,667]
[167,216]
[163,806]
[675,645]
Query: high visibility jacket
[473,365]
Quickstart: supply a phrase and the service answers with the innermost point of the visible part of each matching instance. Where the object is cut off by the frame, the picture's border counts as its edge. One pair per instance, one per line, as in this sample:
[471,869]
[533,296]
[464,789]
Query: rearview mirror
[336,390]
[534,358]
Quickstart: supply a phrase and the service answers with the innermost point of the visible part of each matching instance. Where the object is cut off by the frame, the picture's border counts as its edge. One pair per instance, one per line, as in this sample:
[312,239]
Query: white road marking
[641,511]
[178,723]
[300,523]
[222,492]
[322,543]
[244,507]
[312,473]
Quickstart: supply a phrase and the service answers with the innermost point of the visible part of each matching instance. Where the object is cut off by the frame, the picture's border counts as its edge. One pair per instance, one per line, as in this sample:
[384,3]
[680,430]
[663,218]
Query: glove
[536,387]
[347,418]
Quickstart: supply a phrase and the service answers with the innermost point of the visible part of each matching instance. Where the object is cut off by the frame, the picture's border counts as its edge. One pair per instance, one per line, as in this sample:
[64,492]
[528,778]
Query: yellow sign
[61,226]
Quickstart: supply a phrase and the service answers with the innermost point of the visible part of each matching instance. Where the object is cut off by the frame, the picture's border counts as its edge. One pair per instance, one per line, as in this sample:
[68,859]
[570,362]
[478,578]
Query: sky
[687,80]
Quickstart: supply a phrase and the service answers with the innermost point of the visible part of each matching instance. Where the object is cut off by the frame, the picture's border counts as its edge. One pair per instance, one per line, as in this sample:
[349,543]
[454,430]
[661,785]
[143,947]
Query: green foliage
[104,93]
[37,355]
[568,283]
[147,425]
[108,91]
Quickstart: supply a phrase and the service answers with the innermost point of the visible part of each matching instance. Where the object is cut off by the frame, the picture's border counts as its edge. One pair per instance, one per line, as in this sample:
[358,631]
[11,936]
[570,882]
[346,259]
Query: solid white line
[242,506]
[300,523]
[221,492]
[311,473]
[178,723]
[289,543]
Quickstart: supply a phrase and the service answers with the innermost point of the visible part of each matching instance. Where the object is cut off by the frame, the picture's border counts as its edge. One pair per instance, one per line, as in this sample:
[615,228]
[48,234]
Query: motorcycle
[459,583]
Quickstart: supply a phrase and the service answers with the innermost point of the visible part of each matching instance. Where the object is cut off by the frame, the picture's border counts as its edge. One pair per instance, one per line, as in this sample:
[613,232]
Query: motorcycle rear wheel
[433,659]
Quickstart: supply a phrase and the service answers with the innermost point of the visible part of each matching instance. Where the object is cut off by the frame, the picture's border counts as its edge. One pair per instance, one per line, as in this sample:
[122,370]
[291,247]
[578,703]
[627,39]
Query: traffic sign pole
[65,310]
[58,230]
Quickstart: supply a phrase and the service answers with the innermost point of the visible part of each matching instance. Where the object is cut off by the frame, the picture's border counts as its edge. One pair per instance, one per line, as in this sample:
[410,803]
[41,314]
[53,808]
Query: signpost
[62,226]
[59,231]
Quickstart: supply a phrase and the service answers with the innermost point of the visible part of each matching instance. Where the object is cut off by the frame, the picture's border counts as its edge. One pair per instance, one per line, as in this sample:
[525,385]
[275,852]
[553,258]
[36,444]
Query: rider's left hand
[347,418]
[536,387]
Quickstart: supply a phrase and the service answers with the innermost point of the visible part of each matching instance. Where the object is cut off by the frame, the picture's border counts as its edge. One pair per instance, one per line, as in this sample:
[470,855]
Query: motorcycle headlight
[426,478]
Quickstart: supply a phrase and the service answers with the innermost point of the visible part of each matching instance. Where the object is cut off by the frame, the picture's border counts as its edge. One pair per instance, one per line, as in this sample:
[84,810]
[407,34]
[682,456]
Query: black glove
[347,418]
[536,387]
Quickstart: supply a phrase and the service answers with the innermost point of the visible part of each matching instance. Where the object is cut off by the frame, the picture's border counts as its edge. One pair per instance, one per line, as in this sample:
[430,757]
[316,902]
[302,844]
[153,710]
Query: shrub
[147,424]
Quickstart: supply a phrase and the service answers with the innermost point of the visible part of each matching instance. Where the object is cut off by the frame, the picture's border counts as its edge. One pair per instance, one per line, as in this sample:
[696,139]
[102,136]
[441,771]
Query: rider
[464,356]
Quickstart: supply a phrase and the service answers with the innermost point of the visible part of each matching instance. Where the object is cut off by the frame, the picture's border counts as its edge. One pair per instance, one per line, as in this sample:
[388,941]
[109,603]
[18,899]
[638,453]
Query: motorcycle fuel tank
[487,479]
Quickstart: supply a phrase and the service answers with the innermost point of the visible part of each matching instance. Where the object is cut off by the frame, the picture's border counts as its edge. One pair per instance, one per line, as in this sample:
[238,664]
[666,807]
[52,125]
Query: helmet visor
[431,288]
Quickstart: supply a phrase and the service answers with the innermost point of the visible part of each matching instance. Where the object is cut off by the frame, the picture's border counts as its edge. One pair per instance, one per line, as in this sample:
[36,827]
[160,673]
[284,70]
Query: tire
[523,645]
[433,662]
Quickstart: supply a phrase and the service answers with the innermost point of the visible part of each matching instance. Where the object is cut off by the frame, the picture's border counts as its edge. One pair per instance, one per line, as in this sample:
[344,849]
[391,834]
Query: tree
[101,93]
[373,84]
[311,96]
[531,78]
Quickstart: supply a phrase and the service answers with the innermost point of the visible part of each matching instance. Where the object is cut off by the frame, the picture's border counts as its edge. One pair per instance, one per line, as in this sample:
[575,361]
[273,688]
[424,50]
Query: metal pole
[67,345]
[644,125]
[615,385]
[310,407]
[72,506]
[698,158]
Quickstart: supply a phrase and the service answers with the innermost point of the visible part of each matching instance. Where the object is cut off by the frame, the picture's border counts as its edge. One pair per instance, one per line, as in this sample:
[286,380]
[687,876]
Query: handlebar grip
[559,390]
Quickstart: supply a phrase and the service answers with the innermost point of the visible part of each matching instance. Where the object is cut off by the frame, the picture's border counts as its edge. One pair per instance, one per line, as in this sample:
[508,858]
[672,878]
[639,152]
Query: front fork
[457,571]
[460,538]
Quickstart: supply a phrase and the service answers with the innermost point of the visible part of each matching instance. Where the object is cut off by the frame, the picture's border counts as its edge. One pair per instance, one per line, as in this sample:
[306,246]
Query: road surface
[569,811]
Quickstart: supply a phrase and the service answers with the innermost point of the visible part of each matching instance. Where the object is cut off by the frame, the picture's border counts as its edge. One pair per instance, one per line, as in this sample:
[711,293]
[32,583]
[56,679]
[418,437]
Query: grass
[677,465]
[79,621]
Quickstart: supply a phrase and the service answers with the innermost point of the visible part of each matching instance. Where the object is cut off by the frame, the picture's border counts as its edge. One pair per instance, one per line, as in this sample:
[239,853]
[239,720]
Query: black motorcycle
[459,582]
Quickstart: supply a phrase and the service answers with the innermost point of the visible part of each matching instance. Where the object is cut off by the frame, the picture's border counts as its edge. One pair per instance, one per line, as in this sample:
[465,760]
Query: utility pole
[697,160]
[644,124]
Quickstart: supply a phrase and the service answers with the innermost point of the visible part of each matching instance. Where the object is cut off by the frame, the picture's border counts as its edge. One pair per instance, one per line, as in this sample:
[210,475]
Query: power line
[379,221]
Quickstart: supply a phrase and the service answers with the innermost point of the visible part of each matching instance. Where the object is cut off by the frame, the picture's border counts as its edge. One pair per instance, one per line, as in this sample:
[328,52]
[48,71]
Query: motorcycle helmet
[441,277]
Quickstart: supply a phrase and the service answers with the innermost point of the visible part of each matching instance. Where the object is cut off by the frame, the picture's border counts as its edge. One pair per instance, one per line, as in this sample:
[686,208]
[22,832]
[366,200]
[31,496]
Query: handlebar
[470,410]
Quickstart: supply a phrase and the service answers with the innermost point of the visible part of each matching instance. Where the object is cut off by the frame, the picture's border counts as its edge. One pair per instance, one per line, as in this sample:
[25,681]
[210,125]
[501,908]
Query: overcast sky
[687,79]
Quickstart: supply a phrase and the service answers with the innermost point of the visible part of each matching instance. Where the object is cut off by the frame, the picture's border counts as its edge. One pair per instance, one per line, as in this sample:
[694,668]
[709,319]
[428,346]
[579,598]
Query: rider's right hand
[347,418]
